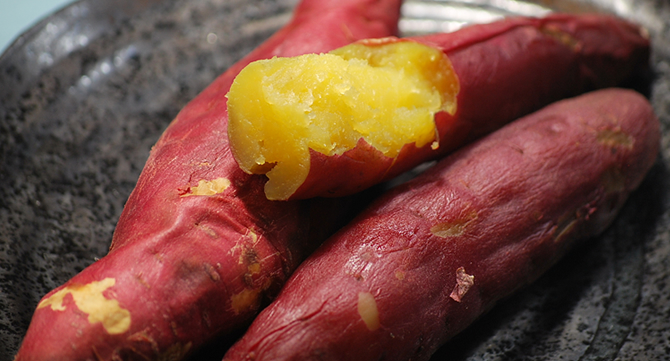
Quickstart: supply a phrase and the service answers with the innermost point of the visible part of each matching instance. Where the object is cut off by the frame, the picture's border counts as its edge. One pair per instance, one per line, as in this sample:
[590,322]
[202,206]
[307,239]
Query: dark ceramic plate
[86,93]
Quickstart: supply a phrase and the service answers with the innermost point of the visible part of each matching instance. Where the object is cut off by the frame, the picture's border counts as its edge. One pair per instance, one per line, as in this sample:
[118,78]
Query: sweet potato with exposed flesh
[336,123]
[198,246]
[435,253]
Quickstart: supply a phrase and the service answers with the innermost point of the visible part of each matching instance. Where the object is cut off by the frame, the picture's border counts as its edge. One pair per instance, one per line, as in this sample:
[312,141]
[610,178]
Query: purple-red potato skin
[198,247]
[506,69]
[435,253]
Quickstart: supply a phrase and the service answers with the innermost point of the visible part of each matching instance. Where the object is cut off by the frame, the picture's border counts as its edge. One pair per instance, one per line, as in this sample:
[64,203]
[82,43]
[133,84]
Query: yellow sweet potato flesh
[386,93]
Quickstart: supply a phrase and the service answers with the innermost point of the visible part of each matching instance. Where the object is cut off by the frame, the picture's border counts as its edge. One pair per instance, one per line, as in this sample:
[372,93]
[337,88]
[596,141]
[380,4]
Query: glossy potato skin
[177,258]
[523,196]
[506,69]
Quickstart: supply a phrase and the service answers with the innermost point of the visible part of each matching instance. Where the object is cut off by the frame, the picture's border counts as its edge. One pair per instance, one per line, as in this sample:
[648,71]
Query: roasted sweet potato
[322,125]
[198,246]
[435,253]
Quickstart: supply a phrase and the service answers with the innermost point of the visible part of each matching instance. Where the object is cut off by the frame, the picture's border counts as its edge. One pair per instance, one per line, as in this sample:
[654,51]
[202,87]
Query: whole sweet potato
[435,253]
[198,247]
[327,139]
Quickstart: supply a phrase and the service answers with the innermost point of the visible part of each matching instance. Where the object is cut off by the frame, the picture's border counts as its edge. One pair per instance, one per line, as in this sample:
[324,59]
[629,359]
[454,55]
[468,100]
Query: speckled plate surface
[87,92]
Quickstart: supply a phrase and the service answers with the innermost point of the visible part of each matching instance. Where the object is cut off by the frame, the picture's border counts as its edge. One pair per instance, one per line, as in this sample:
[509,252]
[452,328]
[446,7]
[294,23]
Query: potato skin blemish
[615,137]
[367,309]
[244,301]
[208,188]
[453,228]
[463,283]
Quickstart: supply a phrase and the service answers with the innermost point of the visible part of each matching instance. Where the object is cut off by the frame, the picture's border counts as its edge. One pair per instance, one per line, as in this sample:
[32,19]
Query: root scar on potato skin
[176,352]
[89,299]
[615,137]
[562,37]
[453,228]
